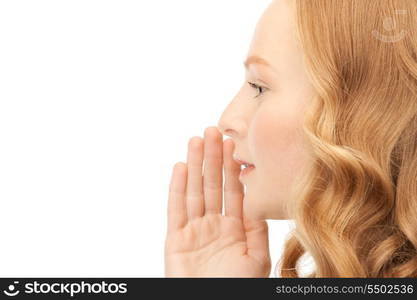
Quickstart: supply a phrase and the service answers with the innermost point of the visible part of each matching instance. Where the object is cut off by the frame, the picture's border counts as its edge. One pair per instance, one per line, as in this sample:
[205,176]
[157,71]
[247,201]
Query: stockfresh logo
[389,25]
[12,289]
[68,288]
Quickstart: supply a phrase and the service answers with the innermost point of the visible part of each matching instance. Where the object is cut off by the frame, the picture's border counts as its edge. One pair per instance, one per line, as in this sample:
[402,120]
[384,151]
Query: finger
[213,170]
[233,188]
[195,196]
[177,213]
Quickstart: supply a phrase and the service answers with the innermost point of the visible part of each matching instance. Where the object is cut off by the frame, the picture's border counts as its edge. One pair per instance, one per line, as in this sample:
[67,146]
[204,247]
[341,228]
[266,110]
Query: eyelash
[257,87]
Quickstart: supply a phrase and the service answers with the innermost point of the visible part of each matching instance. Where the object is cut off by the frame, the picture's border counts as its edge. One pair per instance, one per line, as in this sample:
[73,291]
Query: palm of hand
[200,240]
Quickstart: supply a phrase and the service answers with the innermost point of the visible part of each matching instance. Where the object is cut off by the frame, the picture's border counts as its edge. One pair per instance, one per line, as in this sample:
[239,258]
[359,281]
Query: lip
[244,172]
[241,161]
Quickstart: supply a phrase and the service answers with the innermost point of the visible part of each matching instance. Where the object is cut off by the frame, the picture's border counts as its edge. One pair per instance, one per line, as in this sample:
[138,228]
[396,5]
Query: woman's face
[266,129]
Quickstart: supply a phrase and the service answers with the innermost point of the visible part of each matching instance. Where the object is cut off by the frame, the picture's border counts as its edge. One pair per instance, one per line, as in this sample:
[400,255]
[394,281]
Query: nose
[233,121]
[229,128]
[224,130]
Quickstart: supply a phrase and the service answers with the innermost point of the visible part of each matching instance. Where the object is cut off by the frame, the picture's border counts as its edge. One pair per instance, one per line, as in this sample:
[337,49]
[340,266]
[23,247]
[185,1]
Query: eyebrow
[255,60]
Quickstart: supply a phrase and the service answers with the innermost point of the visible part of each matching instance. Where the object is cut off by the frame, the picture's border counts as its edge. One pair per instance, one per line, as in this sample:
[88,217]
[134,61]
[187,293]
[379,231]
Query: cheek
[277,153]
[273,138]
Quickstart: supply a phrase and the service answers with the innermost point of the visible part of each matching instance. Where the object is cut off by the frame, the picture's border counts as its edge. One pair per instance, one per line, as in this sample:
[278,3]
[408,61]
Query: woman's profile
[324,128]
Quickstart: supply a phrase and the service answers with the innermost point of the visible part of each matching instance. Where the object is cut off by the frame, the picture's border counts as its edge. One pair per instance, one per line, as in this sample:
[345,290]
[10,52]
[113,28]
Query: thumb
[257,239]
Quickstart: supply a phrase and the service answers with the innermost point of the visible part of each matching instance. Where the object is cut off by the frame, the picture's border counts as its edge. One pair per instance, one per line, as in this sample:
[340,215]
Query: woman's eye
[259,88]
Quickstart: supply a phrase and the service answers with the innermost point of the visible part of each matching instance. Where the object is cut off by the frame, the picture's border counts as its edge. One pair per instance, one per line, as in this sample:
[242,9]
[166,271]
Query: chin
[255,210]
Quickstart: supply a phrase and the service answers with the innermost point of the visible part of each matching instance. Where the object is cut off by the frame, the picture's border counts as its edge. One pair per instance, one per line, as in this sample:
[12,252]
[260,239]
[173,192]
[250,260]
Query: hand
[200,241]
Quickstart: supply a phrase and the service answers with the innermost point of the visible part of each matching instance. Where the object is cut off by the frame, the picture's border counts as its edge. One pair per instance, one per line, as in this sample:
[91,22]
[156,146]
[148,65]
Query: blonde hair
[355,208]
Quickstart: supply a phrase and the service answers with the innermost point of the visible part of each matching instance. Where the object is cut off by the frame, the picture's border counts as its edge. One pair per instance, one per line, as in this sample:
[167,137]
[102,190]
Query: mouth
[246,167]
[245,170]
[242,163]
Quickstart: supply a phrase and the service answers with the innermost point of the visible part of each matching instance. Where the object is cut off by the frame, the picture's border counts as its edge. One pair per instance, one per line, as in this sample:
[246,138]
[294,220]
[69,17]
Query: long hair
[355,209]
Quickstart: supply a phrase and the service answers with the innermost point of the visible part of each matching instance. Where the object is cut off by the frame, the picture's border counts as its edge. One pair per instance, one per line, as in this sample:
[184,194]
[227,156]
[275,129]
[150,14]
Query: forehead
[274,37]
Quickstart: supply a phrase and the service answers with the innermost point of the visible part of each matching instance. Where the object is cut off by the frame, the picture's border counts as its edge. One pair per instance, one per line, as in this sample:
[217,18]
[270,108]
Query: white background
[98,100]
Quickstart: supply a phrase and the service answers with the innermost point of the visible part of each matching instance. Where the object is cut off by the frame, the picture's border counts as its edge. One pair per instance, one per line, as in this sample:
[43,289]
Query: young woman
[327,121]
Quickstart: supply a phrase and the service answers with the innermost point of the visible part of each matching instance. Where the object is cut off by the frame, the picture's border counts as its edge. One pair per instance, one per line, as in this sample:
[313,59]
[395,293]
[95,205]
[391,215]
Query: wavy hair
[355,209]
